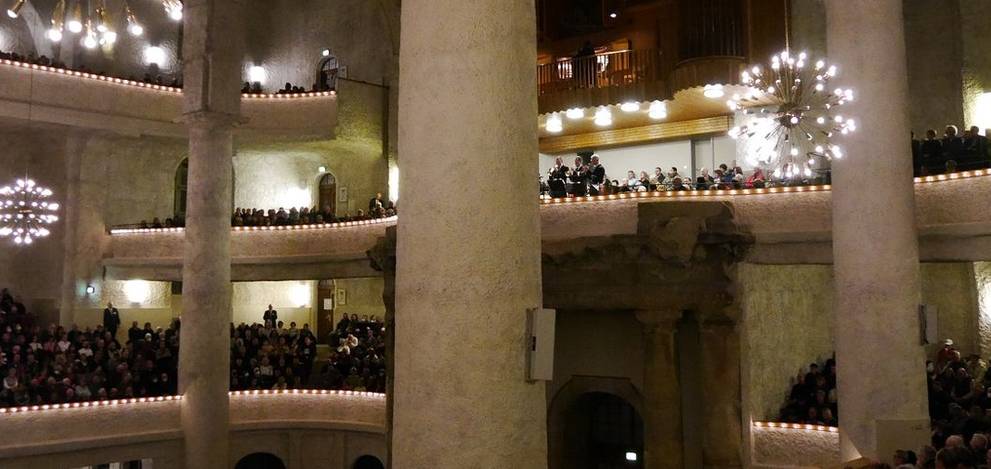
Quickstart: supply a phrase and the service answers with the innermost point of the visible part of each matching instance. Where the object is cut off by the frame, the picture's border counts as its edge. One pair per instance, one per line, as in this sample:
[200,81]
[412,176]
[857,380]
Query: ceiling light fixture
[603,117]
[554,124]
[658,110]
[629,106]
[574,113]
[713,91]
[25,211]
[15,10]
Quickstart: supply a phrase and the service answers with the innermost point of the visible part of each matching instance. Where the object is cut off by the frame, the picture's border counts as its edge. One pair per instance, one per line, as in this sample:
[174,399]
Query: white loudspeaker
[540,344]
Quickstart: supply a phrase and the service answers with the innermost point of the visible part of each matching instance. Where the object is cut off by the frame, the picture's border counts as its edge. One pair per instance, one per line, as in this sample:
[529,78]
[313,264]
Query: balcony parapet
[41,94]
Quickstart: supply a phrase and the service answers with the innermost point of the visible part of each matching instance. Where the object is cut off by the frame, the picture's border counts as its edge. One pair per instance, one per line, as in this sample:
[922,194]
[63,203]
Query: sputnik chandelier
[25,211]
[91,19]
[791,115]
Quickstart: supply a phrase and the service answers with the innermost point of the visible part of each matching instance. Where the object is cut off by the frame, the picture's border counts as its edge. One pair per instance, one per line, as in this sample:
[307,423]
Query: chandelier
[93,21]
[791,115]
[25,211]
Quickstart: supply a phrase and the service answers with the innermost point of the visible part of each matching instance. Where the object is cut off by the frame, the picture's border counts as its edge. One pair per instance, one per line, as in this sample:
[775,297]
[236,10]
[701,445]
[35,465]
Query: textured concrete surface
[345,427]
[875,247]
[662,390]
[789,448]
[470,263]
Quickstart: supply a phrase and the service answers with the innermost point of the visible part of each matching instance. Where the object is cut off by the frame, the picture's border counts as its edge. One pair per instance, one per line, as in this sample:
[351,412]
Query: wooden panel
[645,134]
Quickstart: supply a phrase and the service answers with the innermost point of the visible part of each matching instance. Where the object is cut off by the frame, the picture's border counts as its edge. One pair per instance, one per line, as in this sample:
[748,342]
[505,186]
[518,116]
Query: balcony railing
[600,71]
[600,79]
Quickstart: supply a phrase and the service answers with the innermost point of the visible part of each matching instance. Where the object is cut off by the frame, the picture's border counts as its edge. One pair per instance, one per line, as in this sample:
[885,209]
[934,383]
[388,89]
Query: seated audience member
[931,158]
[953,147]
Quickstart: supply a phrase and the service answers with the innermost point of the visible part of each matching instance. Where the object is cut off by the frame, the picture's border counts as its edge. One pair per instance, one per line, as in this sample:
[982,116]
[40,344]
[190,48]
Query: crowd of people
[591,179]
[951,152]
[377,208]
[357,357]
[56,364]
[959,397]
[812,399]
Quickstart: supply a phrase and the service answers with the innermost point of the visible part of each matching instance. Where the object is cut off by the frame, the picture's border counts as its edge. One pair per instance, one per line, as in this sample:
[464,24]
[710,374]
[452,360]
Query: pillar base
[890,436]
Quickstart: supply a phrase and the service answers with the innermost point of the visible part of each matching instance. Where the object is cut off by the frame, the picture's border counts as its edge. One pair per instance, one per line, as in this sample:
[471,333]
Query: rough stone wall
[596,344]
[778,448]
[293,300]
[34,272]
[982,277]
[788,323]
[975,35]
[951,288]
[935,61]
[807,27]
[364,296]
[287,175]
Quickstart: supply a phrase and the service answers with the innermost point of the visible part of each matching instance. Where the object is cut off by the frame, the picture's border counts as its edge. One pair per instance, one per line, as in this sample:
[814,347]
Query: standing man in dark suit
[111,319]
[271,315]
[596,176]
[375,203]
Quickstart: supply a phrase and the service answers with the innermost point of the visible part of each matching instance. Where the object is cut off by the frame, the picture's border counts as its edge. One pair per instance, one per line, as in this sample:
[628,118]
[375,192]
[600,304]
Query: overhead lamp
[90,289]
[631,456]
[133,26]
[58,22]
[322,169]
[108,38]
[713,91]
[325,52]
[89,41]
[173,8]
[101,18]
[613,15]
[75,23]
[15,10]
[603,117]
[658,110]
[554,124]
[629,106]
[575,113]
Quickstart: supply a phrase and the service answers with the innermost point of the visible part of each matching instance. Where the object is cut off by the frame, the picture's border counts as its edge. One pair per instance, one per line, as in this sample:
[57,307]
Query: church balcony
[346,425]
[46,95]
[789,225]
[600,80]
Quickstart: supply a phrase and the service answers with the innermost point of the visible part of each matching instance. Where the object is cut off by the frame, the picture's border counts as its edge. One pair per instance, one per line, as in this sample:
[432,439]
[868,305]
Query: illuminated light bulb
[794,151]
[794,119]
[630,107]
[574,113]
[658,110]
[75,26]
[819,149]
[603,117]
[55,35]
[821,120]
[713,91]
[819,87]
[109,37]
[15,10]
[820,64]
[90,41]
[135,29]
[554,124]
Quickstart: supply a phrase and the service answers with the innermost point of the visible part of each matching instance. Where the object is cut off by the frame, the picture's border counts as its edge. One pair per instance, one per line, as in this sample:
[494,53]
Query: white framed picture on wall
[342,194]
[341,296]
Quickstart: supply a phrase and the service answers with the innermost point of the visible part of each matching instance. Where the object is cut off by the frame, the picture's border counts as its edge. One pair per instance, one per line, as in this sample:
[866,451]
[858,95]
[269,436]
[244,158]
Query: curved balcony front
[45,95]
[344,425]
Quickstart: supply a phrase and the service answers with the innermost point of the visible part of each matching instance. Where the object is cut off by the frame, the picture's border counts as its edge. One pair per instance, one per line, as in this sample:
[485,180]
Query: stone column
[875,245]
[212,73]
[468,264]
[74,147]
[721,414]
[663,438]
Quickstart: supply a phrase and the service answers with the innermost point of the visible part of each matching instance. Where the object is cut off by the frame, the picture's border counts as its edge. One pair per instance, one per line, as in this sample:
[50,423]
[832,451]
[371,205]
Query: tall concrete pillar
[75,144]
[875,245]
[213,41]
[468,264]
[663,437]
[721,410]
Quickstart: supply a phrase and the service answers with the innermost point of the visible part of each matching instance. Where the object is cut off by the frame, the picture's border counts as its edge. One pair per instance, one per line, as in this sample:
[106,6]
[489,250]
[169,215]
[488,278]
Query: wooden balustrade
[610,69]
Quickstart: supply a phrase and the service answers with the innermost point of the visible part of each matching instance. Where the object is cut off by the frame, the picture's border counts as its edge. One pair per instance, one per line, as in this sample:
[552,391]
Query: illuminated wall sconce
[575,113]
[554,124]
[15,10]
[90,289]
[629,106]
[137,291]
[154,55]
[322,169]
[603,117]
[325,53]
[257,74]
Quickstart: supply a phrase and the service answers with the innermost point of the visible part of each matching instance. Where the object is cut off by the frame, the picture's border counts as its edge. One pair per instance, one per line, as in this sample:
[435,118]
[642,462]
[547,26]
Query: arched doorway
[368,462]
[598,430]
[327,72]
[260,461]
[328,194]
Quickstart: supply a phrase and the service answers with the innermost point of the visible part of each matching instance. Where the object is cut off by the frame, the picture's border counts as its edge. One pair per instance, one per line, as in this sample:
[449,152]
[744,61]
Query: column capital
[659,318]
